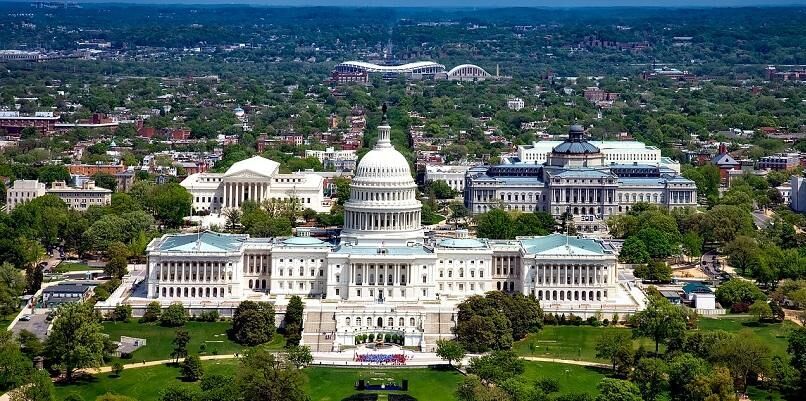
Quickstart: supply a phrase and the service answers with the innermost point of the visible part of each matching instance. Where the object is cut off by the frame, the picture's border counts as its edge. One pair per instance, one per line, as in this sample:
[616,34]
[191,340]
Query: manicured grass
[774,335]
[143,384]
[571,378]
[579,342]
[334,384]
[159,339]
[324,383]
[74,267]
[570,342]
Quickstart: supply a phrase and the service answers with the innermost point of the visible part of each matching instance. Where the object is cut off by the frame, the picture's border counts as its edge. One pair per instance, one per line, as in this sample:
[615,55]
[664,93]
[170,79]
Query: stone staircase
[319,331]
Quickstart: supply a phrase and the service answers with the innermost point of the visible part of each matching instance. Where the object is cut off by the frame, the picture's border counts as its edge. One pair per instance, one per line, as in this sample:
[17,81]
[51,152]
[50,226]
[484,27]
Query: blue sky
[476,3]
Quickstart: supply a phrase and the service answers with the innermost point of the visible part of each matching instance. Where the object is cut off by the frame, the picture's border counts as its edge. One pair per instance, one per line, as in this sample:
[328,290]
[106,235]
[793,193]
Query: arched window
[347,321]
[401,322]
[391,322]
[411,321]
[380,322]
[358,321]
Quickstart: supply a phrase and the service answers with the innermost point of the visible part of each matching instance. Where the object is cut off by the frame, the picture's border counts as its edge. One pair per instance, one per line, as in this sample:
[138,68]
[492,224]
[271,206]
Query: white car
[25,318]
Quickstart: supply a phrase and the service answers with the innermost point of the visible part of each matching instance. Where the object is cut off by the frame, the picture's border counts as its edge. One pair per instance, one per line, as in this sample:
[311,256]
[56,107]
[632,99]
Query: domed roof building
[383,208]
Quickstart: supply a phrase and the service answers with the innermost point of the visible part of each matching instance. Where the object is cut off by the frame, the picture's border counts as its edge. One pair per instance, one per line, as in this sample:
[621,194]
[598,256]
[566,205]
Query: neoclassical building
[579,178]
[254,179]
[383,275]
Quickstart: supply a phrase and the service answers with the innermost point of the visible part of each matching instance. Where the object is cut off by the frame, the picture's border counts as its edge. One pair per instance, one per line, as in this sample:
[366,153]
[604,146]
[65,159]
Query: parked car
[25,318]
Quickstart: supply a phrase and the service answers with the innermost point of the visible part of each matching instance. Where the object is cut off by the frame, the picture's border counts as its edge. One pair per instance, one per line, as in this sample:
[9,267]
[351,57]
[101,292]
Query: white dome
[383,209]
[383,162]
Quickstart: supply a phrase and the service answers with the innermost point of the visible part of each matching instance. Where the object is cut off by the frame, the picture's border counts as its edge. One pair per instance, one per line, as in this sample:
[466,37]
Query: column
[226,195]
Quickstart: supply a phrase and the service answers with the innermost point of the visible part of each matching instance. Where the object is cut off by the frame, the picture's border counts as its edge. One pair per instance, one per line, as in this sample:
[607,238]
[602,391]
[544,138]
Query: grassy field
[324,384]
[143,384]
[569,342]
[74,267]
[213,335]
[774,335]
[579,342]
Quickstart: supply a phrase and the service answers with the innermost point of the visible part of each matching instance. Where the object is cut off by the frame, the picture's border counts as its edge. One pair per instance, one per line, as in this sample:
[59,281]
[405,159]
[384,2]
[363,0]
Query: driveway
[37,325]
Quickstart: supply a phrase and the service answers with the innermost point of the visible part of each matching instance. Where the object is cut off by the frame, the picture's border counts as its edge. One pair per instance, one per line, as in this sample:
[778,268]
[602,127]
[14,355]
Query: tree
[12,286]
[441,189]
[174,316]
[683,370]
[650,376]
[614,345]
[796,348]
[692,245]
[529,224]
[105,180]
[180,343]
[122,313]
[654,271]
[170,203]
[118,254]
[15,367]
[253,323]
[724,222]
[660,321]
[761,310]
[618,390]
[743,253]
[192,368]
[179,393]
[38,387]
[472,389]
[495,224]
[233,217]
[117,368]
[152,313]
[450,350]
[496,366]
[293,321]
[481,326]
[261,376]
[76,339]
[738,291]
[744,354]
[634,251]
[299,356]
[30,344]
[50,173]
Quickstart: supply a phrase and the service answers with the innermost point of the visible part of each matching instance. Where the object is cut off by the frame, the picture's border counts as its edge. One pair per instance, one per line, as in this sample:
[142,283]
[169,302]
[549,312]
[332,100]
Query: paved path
[567,362]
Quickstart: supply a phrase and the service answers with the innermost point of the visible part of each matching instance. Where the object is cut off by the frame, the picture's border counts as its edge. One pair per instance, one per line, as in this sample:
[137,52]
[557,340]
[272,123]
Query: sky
[475,3]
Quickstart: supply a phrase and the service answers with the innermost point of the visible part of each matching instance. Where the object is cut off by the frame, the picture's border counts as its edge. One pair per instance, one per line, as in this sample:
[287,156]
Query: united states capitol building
[383,275]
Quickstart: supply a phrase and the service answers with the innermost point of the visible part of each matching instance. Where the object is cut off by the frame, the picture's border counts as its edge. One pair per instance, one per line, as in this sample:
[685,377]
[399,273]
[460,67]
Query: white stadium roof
[400,69]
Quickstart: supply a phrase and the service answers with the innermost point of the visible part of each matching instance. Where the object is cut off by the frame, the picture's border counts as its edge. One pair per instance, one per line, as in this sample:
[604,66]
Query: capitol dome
[383,208]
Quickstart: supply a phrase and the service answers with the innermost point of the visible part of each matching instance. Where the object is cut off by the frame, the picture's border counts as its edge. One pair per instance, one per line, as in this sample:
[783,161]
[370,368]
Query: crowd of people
[382,359]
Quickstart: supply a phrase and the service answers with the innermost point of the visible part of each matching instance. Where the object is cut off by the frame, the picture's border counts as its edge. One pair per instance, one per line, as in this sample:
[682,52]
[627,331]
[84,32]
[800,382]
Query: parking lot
[37,325]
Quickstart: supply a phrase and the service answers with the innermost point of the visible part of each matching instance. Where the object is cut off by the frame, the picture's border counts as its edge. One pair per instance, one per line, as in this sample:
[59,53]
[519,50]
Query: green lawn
[569,342]
[579,342]
[774,335]
[324,384]
[74,267]
[143,384]
[159,339]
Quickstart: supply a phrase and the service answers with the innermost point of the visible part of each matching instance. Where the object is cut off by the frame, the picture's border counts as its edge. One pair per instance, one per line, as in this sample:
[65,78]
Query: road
[761,220]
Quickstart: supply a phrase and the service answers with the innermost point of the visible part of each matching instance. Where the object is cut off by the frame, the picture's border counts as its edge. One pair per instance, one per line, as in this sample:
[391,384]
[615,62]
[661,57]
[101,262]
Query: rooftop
[207,241]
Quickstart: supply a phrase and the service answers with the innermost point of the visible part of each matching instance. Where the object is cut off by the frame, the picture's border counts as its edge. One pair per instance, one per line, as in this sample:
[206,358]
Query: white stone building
[341,160]
[516,104]
[23,191]
[577,178]
[453,175]
[254,179]
[383,275]
[81,198]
